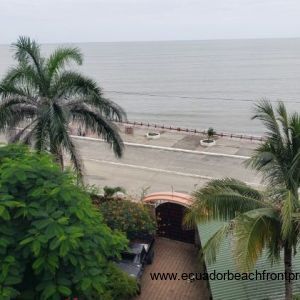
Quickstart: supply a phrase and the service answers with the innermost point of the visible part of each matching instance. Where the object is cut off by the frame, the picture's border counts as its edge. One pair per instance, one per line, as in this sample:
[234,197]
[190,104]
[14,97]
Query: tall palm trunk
[288,270]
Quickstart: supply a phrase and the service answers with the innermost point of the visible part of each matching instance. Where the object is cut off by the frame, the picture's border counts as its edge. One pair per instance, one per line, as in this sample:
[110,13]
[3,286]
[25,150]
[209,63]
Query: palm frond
[73,83]
[224,199]
[15,110]
[27,51]
[277,158]
[11,90]
[287,212]
[85,90]
[213,245]
[61,57]
[98,124]
[22,78]
[283,118]
[74,155]
[60,138]
[16,137]
[108,109]
[255,231]
[264,112]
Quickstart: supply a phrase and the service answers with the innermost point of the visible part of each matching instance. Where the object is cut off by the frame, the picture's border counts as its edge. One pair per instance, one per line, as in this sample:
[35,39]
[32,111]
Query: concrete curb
[167,148]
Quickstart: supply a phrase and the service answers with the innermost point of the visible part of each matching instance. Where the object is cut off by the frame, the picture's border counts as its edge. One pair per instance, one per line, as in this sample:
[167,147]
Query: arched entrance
[169,218]
[170,209]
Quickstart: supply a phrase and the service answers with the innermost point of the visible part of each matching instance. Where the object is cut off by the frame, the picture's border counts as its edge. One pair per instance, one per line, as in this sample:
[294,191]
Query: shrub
[53,243]
[210,132]
[129,217]
[106,194]
[121,286]
[109,192]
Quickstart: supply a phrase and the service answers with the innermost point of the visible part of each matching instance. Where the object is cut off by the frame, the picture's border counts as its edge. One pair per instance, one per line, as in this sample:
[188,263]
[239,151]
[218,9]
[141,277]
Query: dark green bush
[53,242]
[129,217]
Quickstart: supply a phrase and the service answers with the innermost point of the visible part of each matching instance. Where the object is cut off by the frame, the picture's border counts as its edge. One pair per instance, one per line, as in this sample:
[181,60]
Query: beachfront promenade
[161,165]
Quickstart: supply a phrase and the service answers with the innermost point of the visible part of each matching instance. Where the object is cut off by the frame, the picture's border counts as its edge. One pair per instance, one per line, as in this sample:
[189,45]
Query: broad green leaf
[13,280]
[63,221]
[53,260]
[36,247]
[40,224]
[86,283]
[38,263]
[64,248]
[26,241]
[64,290]
[49,290]
[55,243]
[4,213]
[4,242]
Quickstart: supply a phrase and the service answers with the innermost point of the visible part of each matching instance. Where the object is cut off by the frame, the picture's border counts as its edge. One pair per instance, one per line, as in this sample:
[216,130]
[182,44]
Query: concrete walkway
[187,141]
[172,256]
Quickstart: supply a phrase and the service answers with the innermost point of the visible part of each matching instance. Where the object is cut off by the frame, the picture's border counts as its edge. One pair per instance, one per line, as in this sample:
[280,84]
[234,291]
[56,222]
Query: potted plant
[153,135]
[209,141]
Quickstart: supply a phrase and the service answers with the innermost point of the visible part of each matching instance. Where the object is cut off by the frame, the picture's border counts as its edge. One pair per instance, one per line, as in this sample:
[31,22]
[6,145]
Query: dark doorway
[169,218]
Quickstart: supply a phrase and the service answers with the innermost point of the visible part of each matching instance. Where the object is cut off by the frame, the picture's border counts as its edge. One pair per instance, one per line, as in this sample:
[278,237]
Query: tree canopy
[53,243]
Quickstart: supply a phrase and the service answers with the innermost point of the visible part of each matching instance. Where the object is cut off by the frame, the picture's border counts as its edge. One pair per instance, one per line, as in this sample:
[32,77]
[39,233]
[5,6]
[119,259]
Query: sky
[51,21]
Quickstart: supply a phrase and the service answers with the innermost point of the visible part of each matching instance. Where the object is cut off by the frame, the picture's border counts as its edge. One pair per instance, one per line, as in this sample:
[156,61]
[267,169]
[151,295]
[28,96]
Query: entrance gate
[170,208]
[169,218]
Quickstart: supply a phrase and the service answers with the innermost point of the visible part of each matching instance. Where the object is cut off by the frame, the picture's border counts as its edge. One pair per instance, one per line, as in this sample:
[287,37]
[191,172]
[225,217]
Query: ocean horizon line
[163,40]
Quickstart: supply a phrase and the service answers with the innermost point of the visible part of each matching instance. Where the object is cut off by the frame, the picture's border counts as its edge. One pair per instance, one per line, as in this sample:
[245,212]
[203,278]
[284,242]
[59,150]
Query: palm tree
[278,158]
[44,98]
[259,220]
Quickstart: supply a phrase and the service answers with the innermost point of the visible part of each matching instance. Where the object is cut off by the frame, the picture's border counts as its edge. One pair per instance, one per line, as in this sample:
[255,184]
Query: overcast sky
[139,20]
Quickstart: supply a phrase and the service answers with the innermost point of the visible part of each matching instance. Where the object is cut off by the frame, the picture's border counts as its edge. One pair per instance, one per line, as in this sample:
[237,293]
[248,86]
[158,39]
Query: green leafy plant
[210,133]
[54,243]
[120,285]
[109,192]
[129,217]
[91,189]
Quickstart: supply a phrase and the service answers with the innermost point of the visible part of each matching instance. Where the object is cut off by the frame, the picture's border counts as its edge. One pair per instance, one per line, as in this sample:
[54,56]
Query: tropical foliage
[132,218]
[259,220]
[210,133]
[44,99]
[54,243]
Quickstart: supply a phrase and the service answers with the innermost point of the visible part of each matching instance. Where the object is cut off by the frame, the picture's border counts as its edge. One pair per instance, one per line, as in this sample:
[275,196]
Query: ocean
[192,84]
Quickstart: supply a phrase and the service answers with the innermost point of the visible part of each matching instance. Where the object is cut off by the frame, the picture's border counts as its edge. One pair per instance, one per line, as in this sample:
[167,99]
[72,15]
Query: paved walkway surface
[187,141]
[172,256]
[190,141]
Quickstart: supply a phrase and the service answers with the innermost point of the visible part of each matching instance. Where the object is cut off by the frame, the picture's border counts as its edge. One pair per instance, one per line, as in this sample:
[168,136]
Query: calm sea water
[193,81]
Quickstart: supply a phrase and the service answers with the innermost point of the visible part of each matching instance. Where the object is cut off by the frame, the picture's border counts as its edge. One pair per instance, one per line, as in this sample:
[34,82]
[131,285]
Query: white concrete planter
[207,143]
[119,195]
[153,135]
